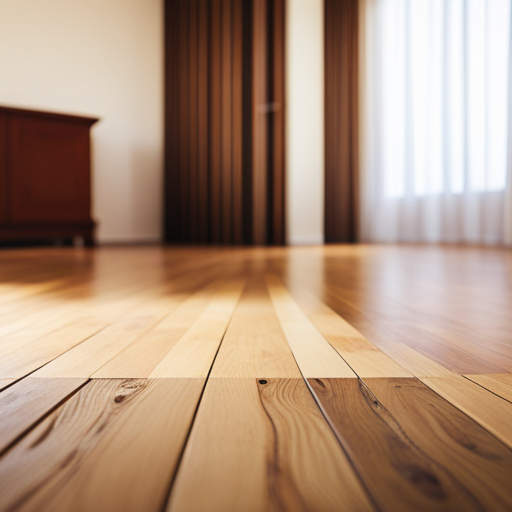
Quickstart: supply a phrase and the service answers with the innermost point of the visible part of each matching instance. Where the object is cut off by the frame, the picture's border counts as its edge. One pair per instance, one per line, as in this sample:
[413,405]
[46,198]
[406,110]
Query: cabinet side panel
[3,168]
[49,177]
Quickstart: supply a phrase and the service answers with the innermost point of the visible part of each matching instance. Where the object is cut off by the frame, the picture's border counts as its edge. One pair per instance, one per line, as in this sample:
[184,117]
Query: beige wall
[305,122]
[100,58]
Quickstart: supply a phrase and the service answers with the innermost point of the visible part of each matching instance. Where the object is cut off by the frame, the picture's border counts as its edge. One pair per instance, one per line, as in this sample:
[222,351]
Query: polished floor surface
[338,378]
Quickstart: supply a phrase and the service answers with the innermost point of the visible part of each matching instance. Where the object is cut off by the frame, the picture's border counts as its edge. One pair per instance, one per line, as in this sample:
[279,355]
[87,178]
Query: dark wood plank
[480,462]
[400,473]
[112,447]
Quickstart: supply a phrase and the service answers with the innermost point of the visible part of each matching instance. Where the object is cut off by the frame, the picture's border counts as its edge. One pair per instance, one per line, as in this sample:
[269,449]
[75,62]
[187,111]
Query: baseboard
[129,239]
[317,239]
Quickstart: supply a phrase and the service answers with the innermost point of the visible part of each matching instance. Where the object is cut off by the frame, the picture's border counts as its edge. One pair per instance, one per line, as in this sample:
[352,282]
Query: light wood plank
[314,355]
[418,364]
[85,359]
[112,447]
[258,447]
[24,403]
[480,463]
[5,382]
[193,354]
[140,358]
[22,360]
[500,384]
[363,356]
[254,344]
[491,411]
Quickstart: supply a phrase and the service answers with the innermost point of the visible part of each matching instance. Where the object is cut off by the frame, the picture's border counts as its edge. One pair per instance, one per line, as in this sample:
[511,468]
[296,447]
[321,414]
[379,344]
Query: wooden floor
[340,378]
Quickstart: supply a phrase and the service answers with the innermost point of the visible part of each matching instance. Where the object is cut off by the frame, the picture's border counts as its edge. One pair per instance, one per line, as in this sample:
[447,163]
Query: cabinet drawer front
[49,162]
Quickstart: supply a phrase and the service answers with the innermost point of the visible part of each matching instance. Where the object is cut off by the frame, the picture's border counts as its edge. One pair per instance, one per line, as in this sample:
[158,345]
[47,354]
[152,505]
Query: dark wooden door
[48,171]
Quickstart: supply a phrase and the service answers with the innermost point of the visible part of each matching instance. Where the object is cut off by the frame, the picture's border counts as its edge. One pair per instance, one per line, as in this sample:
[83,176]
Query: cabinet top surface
[51,115]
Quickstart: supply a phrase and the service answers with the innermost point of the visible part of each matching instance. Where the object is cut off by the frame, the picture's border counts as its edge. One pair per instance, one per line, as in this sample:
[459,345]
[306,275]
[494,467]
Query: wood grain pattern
[491,411]
[85,359]
[314,355]
[193,354]
[399,474]
[112,447]
[363,357]
[441,441]
[258,447]
[254,343]
[479,461]
[25,358]
[500,384]
[140,358]
[23,404]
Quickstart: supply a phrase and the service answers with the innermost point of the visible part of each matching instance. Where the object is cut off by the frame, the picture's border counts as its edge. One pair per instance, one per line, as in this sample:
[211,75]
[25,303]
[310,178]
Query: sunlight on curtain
[436,86]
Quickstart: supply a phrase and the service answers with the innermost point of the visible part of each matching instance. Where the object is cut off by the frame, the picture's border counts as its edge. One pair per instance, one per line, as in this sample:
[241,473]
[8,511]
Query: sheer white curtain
[436,78]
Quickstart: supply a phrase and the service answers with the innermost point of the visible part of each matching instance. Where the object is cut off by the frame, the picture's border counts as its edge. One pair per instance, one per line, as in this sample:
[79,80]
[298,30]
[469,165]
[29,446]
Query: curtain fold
[507,211]
[435,89]
[341,120]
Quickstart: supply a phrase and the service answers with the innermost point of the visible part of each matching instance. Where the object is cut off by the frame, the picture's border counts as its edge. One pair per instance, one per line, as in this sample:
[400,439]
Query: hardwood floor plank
[491,411]
[499,384]
[24,403]
[85,359]
[141,358]
[193,354]
[263,447]
[397,472]
[479,461]
[5,382]
[383,313]
[24,359]
[314,355]
[254,343]
[112,447]
[363,356]
[418,364]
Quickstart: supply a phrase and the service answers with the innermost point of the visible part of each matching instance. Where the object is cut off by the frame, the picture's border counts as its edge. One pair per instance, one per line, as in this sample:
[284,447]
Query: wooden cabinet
[45,178]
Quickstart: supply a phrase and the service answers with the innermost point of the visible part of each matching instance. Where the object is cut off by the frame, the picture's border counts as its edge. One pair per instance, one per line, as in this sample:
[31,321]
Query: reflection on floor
[251,379]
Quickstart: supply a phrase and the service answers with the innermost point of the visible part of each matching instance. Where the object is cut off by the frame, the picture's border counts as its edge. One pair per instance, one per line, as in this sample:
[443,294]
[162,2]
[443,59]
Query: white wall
[305,121]
[100,58]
